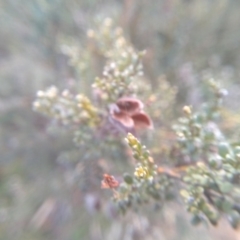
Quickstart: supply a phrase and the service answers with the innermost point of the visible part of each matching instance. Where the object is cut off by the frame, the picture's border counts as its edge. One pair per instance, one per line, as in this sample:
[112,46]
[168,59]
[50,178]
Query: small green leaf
[225,187]
[223,148]
[226,206]
[234,219]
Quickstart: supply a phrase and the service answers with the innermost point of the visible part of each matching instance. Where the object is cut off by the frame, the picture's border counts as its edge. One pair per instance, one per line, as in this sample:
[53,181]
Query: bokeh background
[185,41]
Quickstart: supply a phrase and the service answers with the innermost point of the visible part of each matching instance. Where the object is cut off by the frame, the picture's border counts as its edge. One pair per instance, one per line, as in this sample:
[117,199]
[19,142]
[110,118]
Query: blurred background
[185,41]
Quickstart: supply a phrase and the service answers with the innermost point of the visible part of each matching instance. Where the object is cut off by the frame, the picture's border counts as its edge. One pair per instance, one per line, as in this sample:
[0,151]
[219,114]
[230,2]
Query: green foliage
[210,175]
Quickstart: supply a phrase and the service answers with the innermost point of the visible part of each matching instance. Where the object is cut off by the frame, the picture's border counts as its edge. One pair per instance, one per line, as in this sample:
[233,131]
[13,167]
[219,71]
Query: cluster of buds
[211,184]
[118,77]
[123,65]
[199,207]
[144,185]
[66,108]
[197,133]
[146,169]
[210,193]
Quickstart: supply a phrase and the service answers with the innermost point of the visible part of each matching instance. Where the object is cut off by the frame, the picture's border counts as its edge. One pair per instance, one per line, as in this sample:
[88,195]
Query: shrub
[191,161]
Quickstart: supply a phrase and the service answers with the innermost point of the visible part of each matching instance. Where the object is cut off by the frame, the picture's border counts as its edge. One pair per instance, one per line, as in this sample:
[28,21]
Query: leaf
[226,206]
[225,187]
[223,149]
[234,219]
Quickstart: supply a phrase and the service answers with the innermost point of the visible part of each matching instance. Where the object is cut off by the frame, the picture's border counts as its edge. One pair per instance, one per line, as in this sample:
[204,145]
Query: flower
[128,111]
[129,105]
[187,110]
[109,182]
[124,119]
[141,172]
[141,121]
[131,140]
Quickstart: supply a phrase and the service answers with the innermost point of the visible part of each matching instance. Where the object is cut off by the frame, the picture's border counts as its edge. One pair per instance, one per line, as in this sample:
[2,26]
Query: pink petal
[124,119]
[142,121]
[129,105]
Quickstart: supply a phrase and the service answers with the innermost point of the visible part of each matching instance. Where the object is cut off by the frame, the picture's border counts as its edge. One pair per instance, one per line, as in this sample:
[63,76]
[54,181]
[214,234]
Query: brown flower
[129,105]
[141,121]
[109,182]
[124,119]
[129,113]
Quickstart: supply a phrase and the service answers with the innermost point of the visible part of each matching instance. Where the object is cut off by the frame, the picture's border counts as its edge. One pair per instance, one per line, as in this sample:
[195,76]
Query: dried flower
[124,119]
[128,112]
[142,121]
[129,105]
[109,182]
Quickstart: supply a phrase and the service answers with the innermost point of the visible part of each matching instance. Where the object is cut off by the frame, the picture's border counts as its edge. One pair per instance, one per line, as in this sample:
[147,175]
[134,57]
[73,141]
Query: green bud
[215,161]
[127,178]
